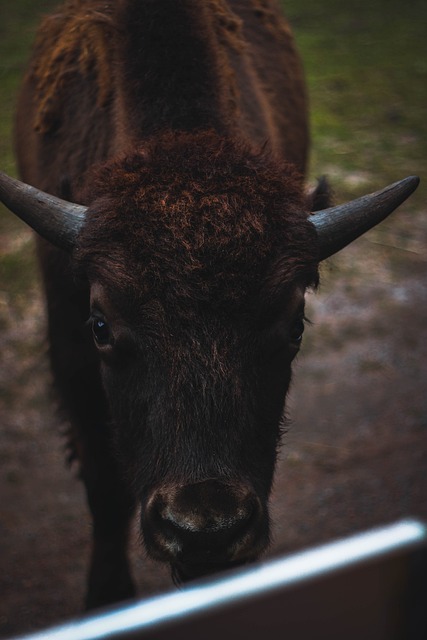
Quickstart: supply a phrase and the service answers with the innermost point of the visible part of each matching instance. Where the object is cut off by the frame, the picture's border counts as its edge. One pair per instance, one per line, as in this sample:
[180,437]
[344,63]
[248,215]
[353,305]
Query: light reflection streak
[261,579]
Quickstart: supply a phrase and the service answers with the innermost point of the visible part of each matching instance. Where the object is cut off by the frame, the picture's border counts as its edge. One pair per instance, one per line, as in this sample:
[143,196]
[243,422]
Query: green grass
[18,21]
[367,74]
[18,270]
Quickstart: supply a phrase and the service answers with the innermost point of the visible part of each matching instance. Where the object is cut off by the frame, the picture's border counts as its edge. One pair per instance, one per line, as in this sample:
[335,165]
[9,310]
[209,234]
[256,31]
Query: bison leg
[110,502]
[112,508]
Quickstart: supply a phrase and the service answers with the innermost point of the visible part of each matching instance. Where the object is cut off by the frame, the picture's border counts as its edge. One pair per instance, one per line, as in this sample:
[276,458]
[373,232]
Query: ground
[355,455]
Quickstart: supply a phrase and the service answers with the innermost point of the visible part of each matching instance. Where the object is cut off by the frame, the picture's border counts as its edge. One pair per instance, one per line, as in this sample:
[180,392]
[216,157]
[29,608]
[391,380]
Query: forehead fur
[197,217]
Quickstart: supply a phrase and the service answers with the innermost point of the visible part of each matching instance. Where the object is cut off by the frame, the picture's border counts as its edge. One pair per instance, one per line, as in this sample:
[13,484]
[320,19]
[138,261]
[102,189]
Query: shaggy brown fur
[228,26]
[190,212]
[76,39]
[253,77]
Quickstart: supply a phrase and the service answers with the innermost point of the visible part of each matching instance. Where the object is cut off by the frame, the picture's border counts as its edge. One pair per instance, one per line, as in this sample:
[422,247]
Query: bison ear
[338,226]
[320,197]
[56,220]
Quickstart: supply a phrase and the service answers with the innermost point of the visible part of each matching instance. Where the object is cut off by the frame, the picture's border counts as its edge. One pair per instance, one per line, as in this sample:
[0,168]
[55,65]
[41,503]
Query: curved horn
[338,226]
[54,219]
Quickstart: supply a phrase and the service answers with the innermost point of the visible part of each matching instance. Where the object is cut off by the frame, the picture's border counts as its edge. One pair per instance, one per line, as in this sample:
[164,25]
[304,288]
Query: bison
[175,286]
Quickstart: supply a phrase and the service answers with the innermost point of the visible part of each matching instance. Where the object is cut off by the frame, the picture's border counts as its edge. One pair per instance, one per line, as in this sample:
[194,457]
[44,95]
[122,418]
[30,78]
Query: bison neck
[172,69]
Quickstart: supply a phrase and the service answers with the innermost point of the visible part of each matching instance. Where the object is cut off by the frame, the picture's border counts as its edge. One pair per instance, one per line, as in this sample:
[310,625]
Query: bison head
[197,253]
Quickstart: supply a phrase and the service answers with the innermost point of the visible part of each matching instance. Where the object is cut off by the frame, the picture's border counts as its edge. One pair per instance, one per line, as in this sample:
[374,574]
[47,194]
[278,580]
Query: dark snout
[204,527]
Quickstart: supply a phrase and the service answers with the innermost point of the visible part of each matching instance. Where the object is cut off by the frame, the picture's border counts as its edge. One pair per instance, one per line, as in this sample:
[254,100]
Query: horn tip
[412,182]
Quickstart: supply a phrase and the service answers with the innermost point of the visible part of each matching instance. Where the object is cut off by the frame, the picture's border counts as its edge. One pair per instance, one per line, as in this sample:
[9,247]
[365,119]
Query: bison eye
[101,331]
[296,331]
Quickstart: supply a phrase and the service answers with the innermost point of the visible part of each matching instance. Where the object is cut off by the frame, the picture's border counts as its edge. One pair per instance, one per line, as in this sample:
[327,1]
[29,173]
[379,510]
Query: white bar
[242,584]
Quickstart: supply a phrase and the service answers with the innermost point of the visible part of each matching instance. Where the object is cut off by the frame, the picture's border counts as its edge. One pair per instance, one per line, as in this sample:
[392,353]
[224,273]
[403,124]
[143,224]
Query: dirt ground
[355,455]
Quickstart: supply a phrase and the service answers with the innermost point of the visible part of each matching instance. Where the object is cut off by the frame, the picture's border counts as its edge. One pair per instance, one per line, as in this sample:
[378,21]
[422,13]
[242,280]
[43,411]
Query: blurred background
[356,452]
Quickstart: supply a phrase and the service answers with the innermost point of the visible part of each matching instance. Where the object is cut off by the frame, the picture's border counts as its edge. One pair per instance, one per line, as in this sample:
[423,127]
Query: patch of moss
[19,272]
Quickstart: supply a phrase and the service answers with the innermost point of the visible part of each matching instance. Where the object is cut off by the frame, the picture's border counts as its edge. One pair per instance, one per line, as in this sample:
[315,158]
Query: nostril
[209,506]
[210,520]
